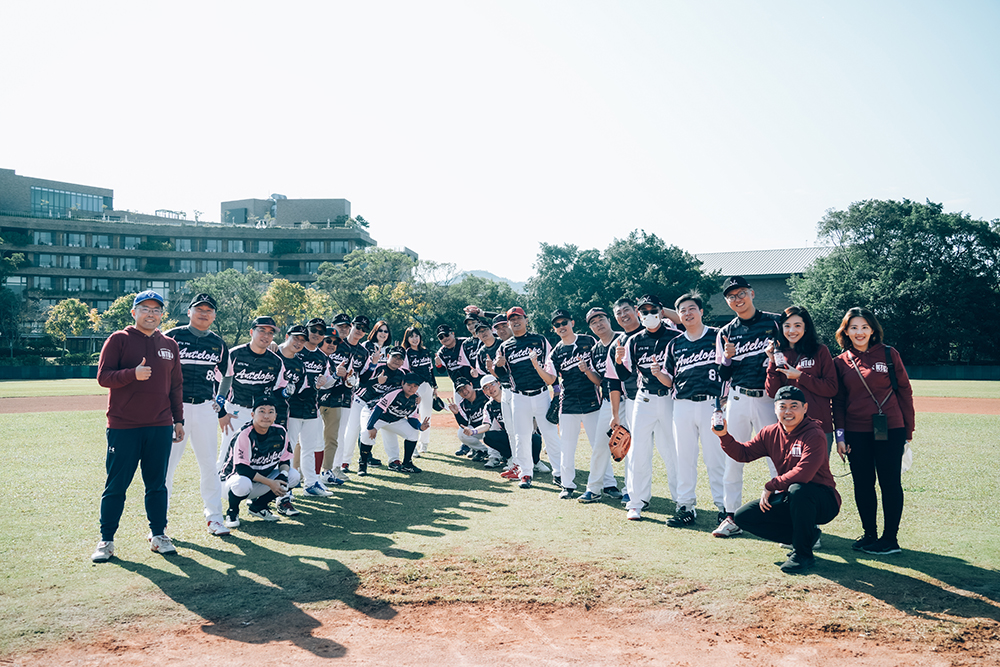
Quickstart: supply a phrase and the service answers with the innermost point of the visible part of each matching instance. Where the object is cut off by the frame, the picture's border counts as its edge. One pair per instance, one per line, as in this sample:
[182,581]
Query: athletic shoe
[232,519]
[722,516]
[262,513]
[374,462]
[634,515]
[525,482]
[395,465]
[513,473]
[556,480]
[416,455]
[797,564]
[161,544]
[422,448]
[816,545]
[625,499]
[217,528]
[864,541]
[612,492]
[103,552]
[494,462]
[684,517]
[463,450]
[286,508]
[883,547]
[541,467]
[317,489]
[327,477]
[565,494]
[345,468]
[479,456]
[362,471]
[727,528]
[589,497]
[336,481]
[409,467]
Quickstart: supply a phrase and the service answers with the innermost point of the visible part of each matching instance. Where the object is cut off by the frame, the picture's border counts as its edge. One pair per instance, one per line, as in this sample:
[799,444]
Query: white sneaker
[541,467]
[634,515]
[493,463]
[727,528]
[263,513]
[317,489]
[327,476]
[232,520]
[104,552]
[217,528]
[161,544]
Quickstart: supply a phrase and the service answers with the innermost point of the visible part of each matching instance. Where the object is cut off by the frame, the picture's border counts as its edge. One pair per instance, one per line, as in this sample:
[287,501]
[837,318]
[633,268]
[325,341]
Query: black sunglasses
[318,330]
[560,323]
[327,341]
[442,336]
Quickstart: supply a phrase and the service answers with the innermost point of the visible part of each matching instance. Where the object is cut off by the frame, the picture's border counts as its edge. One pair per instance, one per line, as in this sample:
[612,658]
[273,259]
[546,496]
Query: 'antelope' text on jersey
[691,365]
[748,369]
[640,352]
[517,350]
[254,374]
[200,354]
[579,394]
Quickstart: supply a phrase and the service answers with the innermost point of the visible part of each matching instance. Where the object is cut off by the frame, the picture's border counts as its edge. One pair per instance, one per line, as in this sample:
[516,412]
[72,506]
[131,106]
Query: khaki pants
[331,428]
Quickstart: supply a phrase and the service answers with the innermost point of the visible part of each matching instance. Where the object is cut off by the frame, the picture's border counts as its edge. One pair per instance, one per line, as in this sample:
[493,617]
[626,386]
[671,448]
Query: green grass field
[459,533]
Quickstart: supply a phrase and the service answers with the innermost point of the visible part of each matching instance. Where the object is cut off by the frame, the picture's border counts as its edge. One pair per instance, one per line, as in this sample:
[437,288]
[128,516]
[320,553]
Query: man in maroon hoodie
[803,494]
[141,368]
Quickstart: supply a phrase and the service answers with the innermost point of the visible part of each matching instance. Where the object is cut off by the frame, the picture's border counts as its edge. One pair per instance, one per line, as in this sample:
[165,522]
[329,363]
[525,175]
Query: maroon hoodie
[132,403]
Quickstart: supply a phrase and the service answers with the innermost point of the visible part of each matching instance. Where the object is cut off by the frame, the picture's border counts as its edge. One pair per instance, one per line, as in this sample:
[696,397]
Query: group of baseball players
[291,412]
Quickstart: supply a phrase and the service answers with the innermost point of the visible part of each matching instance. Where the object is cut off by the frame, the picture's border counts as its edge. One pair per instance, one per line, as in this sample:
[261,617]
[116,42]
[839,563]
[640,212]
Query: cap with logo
[298,330]
[362,322]
[148,295]
[203,299]
[264,399]
[789,393]
[341,318]
[499,318]
[596,312]
[649,300]
[444,329]
[560,314]
[264,321]
[316,321]
[516,310]
[462,382]
[734,282]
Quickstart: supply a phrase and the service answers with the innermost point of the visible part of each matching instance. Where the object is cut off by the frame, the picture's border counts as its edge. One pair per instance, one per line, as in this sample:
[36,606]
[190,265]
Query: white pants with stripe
[745,415]
[306,435]
[693,422]
[526,410]
[201,424]
[651,415]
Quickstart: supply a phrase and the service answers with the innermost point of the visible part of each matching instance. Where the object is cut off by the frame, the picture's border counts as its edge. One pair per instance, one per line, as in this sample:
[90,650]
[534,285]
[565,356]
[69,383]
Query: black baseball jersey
[579,395]
[356,358]
[204,360]
[642,349]
[297,381]
[494,412]
[393,407]
[250,452]
[422,363]
[455,361]
[371,391]
[748,369]
[628,380]
[482,354]
[599,361]
[331,396]
[691,365]
[254,374]
[472,413]
[304,402]
[517,350]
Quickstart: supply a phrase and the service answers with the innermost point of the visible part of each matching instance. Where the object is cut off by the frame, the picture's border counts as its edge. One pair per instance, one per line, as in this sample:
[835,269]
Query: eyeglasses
[149,311]
[560,324]
[265,332]
[737,296]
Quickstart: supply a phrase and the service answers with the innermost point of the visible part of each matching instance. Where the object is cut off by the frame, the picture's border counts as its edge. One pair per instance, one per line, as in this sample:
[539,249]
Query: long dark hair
[809,343]
[406,338]
[844,340]
[373,334]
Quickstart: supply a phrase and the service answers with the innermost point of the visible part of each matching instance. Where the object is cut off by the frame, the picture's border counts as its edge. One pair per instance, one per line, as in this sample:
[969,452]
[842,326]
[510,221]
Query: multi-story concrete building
[77,245]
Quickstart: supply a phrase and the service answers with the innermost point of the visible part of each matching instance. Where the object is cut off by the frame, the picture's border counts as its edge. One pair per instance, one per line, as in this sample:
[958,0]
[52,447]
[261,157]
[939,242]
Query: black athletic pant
[148,449]
[795,519]
[881,459]
[500,441]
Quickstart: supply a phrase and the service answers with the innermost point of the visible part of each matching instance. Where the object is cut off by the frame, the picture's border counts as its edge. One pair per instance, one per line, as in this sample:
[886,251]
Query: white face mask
[651,320]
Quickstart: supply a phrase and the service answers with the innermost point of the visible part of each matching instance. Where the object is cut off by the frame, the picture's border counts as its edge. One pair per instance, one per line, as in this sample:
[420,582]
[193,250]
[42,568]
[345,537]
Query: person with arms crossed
[142,370]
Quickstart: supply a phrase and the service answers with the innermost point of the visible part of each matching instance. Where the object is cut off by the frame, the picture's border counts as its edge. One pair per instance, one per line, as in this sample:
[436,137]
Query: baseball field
[458,566]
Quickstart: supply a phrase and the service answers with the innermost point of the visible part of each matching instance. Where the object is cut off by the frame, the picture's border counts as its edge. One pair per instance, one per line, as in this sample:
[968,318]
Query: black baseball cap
[789,393]
[316,321]
[480,325]
[203,299]
[649,300]
[560,313]
[330,331]
[444,329]
[264,321]
[362,322]
[341,318]
[462,382]
[297,330]
[499,318]
[412,378]
[734,282]
[397,352]
[264,399]
[595,312]
[470,317]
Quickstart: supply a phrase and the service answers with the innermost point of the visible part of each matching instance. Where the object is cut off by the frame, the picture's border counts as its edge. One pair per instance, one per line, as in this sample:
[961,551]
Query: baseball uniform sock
[262,502]
[234,502]
[408,447]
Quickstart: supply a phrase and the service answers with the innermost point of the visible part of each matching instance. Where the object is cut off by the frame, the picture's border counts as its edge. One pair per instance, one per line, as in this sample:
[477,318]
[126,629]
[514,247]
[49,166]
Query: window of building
[101,241]
[102,305]
[43,282]
[314,247]
[185,266]
[71,261]
[61,203]
[132,286]
[75,240]
[263,267]
[210,266]
[44,238]
[240,266]
[340,247]
[47,303]
[102,285]
[131,242]
[182,245]
[74,284]
[161,287]
[213,245]
[235,245]
[16,284]
[48,261]
[104,263]
[129,264]
[265,247]
[312,267]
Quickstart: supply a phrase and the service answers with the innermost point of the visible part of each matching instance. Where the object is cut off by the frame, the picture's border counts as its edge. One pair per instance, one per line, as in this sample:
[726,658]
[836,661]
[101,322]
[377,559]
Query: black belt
[534,392]
[194,402]
[752,393]
[698,398]
[657,392]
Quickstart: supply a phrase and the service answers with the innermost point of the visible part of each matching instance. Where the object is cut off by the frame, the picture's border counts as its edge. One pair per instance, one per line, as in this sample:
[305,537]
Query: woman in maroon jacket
[798,359]
[873,423]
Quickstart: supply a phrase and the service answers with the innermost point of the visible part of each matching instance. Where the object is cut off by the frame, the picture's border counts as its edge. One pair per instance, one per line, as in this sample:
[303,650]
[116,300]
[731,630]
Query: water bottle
[780,361]
[718,419]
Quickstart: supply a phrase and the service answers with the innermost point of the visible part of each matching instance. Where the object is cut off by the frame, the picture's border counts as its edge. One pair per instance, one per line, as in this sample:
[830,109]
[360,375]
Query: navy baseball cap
[264,321]
[462,382]
[148,295]
[499,318]
[596,312]
[412,378]
[733,283]
[316,321]
[264,399]
[559,314]
[298,330]
[789,393]
[203,299]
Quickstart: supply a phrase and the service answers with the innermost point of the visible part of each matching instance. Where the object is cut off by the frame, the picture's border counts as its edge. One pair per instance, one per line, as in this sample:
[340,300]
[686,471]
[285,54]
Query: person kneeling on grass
[803,495]
[398,413]
[258,464]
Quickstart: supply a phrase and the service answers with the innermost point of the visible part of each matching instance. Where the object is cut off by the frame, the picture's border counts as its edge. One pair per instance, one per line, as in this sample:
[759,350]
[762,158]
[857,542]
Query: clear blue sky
[472,131]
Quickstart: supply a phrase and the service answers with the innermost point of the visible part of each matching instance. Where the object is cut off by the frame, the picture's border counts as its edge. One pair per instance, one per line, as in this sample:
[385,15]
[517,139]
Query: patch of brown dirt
[957,406]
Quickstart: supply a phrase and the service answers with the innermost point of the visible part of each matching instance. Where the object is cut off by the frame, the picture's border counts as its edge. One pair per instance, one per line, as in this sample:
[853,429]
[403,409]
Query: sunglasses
[318,330]
[442,336]
[327,341]
[560,324]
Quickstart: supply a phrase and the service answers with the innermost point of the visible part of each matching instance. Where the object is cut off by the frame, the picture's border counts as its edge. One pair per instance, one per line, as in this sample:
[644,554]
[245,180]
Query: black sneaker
[865,540]
[362,471]
[566,494]
[374,462]
[395,465]
[409,467]
[612,492]
[286,508]
[463,450]
[556,480]
[797,564]
[722,516]
[883,547]
[479,456]
[683,517]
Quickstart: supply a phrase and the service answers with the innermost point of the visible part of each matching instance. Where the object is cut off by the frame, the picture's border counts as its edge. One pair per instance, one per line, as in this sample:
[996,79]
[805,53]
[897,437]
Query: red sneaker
[513,473]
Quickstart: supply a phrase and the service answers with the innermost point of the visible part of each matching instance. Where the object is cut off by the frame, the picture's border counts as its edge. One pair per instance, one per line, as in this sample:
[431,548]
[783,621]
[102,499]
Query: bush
[75,359]
[25,360]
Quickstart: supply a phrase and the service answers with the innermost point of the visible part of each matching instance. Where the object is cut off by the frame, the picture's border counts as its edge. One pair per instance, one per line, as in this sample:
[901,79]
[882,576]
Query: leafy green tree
[238,296]
[285,301]
[70,316]
[117,316]
[932,278]
[347,284]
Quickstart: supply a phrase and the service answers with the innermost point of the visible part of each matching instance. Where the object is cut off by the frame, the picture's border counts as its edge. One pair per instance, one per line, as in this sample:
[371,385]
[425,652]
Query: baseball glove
[621,441]
[552,416]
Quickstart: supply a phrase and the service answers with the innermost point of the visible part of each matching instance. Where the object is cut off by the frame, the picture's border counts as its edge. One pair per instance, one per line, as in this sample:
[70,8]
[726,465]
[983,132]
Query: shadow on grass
[966,590]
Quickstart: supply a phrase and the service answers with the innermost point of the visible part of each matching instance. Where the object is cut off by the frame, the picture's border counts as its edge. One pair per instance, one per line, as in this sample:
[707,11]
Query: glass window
[43,238]
[74,284]
[182,245]
[161,287]
[131,242]
[210,266]
[75,240]
[102,305]
[71,261]
[235,246]
[263,267]
[312,267]
[44,282]
[47,303]
[102,285]
[213,245]
[265,247]
[16,284]
[104,263]
[240,266]
[129,264]
[185,266]
[101,240]
[314,247]
[133,286]
[47,261]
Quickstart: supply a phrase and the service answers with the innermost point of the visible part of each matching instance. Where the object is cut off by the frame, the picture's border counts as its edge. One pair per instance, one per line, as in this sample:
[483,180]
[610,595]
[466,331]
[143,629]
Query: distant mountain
[517,287]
